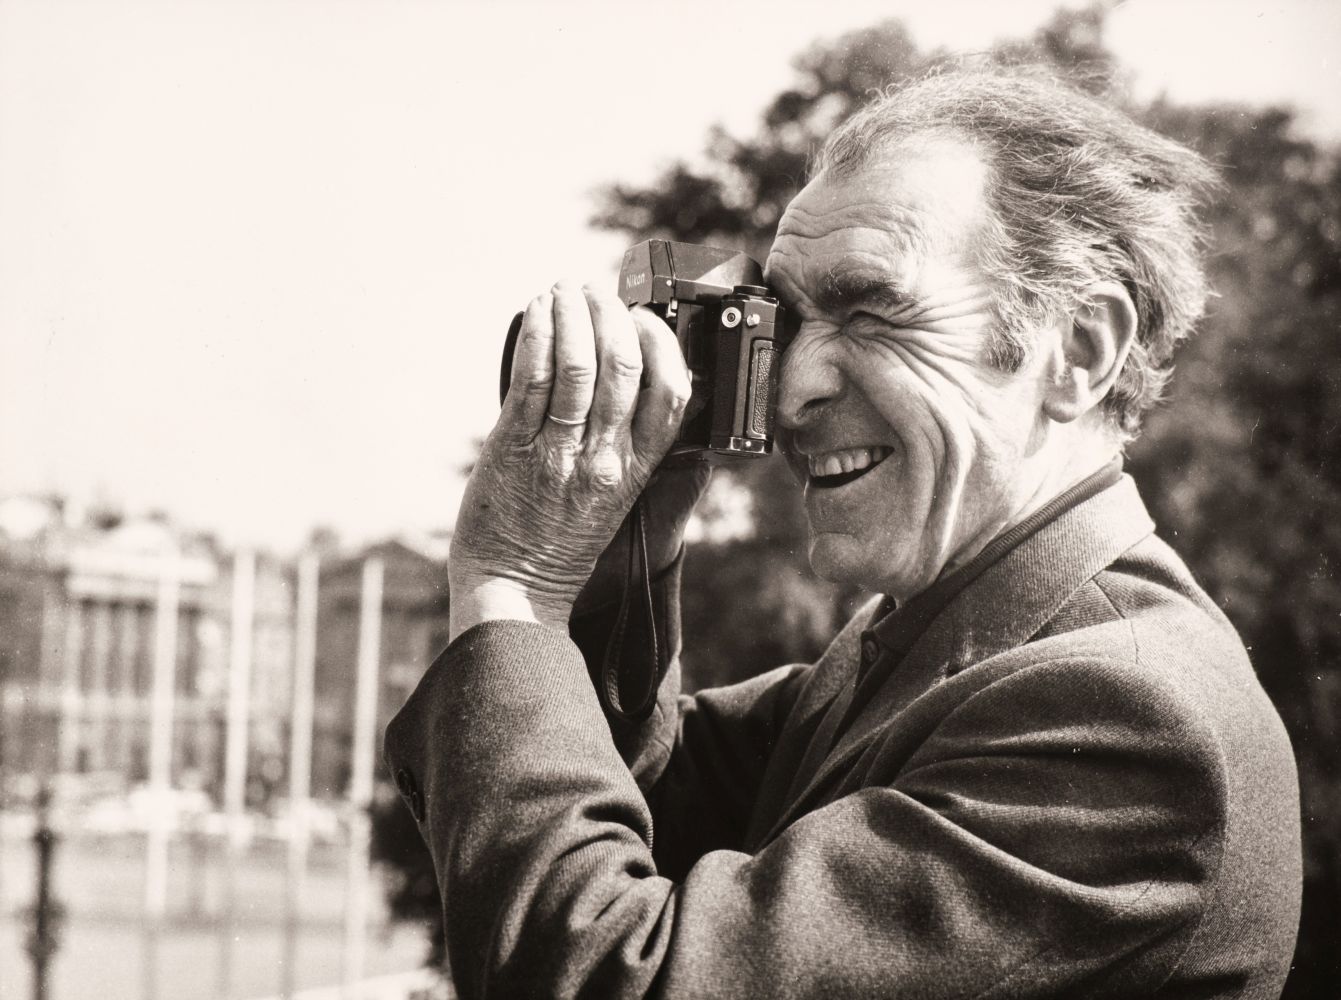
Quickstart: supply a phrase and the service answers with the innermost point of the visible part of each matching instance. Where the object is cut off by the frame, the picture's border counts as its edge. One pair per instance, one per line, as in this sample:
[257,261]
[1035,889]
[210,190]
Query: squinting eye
[866,319]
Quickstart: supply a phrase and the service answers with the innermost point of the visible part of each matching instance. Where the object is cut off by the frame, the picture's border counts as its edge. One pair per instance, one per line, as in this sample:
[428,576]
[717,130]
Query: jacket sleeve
[698,760]
[1023,849]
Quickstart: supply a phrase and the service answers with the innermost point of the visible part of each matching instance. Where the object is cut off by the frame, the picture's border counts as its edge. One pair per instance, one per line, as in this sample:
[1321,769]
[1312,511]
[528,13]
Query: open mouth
[838,468]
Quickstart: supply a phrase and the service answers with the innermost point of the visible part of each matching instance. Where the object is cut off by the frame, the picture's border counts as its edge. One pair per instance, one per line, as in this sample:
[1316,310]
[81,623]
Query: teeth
[833,463]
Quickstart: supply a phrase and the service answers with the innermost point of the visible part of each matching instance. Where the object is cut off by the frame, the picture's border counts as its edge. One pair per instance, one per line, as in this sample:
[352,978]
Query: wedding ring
[565,423]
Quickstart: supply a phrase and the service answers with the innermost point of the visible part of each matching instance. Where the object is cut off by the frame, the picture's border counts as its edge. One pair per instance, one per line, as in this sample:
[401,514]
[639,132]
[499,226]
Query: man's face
[911,446]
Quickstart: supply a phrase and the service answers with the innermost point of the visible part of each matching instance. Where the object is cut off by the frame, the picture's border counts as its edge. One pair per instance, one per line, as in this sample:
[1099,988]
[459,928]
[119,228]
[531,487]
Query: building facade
[82,626]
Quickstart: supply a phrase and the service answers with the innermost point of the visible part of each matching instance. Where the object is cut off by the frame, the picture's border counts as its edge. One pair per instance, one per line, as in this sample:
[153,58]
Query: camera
[731,331]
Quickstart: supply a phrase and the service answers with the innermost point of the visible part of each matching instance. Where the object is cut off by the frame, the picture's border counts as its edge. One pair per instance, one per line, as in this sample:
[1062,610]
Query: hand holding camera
[595,399]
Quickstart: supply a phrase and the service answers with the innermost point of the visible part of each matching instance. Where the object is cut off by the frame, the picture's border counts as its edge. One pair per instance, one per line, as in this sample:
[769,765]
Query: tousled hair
[1079,193]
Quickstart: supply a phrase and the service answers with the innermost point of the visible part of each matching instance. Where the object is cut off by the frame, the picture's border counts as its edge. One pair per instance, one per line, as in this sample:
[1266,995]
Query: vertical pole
[160,760]
[10,723]
[97,697]
[70,703]
[46,911]
[56,613]
[125,697]
[7,725]
[300,759]
[235,750]
[239,691]
[361,770]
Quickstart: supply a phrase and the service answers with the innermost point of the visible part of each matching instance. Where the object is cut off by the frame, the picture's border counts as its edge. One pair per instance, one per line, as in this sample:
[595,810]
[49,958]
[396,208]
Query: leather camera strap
[634,662]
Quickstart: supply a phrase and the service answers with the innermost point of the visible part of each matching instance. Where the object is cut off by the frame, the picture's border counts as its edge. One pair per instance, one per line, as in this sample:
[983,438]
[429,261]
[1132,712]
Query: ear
[1094,346]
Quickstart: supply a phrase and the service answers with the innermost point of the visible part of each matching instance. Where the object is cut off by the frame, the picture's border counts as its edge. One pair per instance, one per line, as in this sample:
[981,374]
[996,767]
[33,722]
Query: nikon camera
[731,333]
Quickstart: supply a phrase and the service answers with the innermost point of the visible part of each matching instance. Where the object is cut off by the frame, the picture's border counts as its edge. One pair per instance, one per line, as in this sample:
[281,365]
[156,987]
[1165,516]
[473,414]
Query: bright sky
[256,259]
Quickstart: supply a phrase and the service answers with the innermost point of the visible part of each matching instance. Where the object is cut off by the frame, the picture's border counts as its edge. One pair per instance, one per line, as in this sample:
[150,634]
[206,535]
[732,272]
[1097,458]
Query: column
[361,775]
[70,701]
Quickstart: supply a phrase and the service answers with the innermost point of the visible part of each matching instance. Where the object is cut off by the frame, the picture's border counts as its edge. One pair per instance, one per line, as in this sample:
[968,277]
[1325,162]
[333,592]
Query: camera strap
[634,662]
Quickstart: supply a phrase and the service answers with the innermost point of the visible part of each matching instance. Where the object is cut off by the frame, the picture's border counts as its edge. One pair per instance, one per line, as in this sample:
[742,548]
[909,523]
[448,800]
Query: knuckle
[683,388]
[602,297]
[537,383]
[577,374]
[556,468]
[677,398]
[605,472]
[623,363]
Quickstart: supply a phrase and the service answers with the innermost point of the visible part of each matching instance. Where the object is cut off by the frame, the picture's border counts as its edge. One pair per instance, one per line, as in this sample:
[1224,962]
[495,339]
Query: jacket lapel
[810,726]
[1001,609]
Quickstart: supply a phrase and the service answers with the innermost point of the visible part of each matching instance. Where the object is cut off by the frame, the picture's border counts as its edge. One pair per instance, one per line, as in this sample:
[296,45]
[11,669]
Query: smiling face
[915,452]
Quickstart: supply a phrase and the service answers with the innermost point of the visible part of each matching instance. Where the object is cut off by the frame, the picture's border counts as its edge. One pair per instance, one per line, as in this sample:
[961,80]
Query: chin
[842,559]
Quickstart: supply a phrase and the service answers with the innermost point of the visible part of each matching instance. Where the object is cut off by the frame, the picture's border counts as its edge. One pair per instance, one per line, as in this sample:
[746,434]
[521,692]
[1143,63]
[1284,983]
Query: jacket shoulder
[1146,615]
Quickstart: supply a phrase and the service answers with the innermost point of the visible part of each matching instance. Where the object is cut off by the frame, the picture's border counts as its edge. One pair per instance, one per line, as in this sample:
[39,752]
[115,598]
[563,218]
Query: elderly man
[1039,765]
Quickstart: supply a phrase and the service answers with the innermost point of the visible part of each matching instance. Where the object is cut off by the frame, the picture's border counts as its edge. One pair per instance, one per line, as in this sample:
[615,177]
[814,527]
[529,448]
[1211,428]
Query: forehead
[913,199]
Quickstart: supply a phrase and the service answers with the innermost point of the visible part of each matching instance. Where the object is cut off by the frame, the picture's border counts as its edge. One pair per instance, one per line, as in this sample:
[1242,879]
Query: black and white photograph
[746,500]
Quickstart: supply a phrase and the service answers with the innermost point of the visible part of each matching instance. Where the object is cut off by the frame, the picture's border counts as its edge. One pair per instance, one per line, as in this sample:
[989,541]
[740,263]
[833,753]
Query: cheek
[916,403]
[936,410]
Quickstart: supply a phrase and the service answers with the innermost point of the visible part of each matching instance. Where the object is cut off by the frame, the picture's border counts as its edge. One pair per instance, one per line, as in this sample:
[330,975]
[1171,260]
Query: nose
[810,378]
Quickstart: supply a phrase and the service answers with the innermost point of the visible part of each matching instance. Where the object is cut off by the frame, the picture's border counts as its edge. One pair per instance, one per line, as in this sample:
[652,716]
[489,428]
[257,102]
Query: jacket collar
[1014,599]
[899,629]
[999,610]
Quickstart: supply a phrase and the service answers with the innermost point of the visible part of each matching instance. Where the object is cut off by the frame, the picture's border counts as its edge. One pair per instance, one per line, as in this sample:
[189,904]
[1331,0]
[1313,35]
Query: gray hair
[1079,193]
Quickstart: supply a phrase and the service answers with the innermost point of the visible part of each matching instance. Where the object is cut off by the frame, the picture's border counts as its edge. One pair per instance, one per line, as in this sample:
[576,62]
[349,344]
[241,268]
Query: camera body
[730,328]
[731,332]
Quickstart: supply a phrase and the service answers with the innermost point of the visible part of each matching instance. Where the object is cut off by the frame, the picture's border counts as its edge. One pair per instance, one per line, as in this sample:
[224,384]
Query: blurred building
[414,630]
[79,598]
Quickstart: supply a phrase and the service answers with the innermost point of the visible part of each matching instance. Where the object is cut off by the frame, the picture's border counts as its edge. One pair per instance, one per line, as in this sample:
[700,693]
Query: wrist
[478,599]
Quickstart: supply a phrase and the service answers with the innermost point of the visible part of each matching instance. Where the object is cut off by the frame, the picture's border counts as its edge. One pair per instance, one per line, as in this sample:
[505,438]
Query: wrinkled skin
[546,498]
[895,319]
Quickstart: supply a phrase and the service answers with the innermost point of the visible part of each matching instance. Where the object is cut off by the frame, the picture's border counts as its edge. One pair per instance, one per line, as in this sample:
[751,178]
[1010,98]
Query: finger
[574,362]
[666,387]
[619,367]
[532,378]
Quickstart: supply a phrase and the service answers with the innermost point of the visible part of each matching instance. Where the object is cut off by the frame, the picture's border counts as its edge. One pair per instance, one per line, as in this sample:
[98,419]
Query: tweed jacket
[1072,786]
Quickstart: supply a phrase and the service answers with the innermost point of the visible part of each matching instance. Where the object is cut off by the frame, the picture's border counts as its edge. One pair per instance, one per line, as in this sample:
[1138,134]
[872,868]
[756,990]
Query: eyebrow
[843,289]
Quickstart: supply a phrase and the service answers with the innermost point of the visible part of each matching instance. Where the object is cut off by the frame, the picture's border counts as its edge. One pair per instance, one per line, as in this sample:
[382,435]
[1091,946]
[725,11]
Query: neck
[1070,455]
